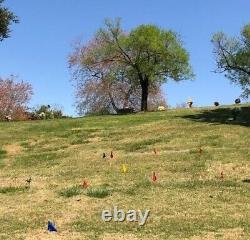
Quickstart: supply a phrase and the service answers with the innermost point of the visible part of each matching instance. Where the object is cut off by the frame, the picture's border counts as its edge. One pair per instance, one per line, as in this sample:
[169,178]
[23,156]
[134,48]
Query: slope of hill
[200,158]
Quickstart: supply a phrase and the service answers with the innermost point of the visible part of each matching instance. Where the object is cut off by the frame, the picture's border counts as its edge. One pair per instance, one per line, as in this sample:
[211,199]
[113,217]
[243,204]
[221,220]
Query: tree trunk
[112,99]
[113,102]
[144,95]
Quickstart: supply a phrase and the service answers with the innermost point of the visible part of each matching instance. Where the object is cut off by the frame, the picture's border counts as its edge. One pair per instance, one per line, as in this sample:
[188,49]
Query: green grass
[2,153]
[12,190]
[71,191]
[189,200]
[100,192]
[140,145]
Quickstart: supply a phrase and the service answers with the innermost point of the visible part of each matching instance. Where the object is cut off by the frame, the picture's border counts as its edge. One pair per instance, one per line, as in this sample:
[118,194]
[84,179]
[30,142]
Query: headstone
[237,101]
[216,104]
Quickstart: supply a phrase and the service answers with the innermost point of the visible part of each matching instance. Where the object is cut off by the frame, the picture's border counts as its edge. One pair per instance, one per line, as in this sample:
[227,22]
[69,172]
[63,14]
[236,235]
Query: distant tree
[145,57]
[14,97]
[6,18]
[233,58]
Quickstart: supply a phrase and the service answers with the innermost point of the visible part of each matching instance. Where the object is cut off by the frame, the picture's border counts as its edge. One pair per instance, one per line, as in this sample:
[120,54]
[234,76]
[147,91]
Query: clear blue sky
[39,46]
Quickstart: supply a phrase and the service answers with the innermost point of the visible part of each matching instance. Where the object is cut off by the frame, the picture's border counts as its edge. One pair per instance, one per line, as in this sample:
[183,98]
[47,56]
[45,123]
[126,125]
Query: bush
[46,112]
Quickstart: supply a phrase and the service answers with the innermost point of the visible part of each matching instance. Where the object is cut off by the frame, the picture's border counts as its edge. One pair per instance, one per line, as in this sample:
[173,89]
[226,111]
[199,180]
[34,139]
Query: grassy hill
[197,195]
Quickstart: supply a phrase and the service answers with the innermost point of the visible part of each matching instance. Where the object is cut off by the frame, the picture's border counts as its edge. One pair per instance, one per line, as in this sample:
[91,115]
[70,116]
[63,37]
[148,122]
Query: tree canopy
[146,56]
[6,19]
[233,57]
[14,97]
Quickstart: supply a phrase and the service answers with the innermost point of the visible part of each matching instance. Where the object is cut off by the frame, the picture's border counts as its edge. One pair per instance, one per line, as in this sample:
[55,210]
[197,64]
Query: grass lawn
[196,196]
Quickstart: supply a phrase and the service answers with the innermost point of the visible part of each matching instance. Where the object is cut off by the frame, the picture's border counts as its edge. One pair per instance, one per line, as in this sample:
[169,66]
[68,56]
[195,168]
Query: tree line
[120,72]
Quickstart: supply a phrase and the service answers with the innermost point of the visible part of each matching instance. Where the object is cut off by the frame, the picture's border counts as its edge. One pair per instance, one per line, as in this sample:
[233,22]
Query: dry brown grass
[188,201]
[13,149]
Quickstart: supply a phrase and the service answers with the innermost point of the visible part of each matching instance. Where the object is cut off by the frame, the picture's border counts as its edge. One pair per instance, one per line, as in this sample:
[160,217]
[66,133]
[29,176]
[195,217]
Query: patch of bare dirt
[13,149]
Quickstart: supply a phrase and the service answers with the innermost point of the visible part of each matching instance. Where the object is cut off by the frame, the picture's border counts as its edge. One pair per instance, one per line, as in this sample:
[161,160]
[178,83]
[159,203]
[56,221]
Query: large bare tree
[107,87]
[98,96]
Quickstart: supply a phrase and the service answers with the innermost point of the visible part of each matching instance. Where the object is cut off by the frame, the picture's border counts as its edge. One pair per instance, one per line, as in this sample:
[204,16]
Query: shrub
[46,112]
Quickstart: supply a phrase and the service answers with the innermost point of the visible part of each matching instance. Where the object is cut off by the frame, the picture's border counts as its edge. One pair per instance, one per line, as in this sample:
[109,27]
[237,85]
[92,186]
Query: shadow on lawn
[239,115]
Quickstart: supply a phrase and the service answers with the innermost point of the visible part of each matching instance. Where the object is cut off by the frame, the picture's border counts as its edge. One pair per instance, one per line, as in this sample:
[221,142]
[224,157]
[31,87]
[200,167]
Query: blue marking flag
[51,227]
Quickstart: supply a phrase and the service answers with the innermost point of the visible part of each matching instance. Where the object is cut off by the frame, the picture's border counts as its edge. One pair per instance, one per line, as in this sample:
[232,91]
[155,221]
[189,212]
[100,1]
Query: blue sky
[39,46]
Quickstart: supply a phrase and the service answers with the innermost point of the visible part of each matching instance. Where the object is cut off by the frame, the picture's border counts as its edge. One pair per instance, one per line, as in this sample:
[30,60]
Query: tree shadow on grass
[239,115]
